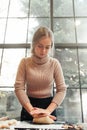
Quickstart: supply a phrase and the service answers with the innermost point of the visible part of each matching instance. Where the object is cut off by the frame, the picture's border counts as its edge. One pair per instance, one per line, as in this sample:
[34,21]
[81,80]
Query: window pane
[9,105]
[11,59]
[37,10]
[16,31]
[4,8]
[63,8]
[84,100]
[83,67]
[2,29]
[68,60]
[81,27]
[0,59]
[64,30]
[18,8]
[80,7]
[70,110]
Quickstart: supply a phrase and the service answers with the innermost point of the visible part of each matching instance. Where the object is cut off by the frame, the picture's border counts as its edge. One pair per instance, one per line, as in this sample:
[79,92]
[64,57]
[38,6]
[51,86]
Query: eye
[44,47]
[40,46]
[47,47]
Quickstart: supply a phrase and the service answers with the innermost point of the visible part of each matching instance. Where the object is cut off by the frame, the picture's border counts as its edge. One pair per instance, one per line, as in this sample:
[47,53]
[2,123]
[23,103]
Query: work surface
[31,126]
[18,125]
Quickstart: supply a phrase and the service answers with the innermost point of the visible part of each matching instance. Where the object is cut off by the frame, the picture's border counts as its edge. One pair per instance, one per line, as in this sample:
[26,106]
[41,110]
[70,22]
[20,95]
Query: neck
[39,60]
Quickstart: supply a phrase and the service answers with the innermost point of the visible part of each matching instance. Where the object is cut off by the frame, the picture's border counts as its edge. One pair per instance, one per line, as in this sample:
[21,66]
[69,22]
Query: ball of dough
[4,125]
[43,120]
[11,122]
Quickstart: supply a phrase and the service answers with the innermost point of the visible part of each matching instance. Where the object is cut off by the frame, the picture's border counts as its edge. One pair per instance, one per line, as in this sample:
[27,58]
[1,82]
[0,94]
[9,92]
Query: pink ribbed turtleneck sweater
[37,76]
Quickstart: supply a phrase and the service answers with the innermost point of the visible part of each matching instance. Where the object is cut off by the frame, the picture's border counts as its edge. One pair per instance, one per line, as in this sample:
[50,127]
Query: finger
[39,115]
[42,115]
[37,111]
[45,114]
[52,117]
[36,108]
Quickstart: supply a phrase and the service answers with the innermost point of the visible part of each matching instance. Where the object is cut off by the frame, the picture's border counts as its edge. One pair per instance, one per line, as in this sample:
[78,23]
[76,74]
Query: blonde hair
[39,33]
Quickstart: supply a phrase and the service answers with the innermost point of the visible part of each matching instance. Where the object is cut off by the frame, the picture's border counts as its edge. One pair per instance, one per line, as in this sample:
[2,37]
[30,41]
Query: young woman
[35,77]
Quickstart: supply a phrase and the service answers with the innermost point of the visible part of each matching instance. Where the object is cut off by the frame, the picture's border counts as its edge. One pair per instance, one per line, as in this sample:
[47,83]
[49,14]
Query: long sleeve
[20,88]
[59,84]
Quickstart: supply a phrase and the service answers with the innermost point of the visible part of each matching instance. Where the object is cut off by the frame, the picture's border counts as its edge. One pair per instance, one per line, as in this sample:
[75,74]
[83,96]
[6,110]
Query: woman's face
[43,47]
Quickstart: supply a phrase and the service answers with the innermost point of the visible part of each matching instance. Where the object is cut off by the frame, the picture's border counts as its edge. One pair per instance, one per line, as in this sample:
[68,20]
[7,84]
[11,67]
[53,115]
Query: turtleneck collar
[38,60]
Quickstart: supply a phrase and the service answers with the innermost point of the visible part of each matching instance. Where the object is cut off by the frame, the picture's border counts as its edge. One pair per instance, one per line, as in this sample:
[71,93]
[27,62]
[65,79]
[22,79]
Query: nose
[43,50]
